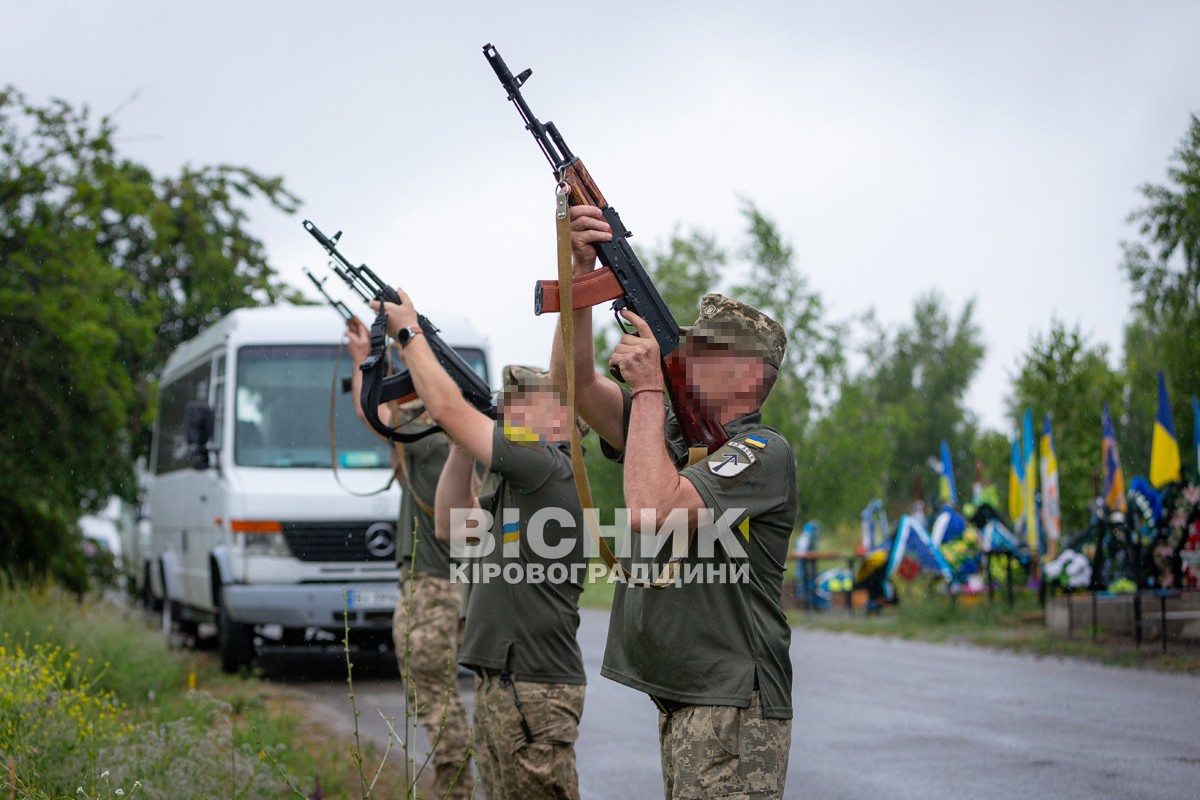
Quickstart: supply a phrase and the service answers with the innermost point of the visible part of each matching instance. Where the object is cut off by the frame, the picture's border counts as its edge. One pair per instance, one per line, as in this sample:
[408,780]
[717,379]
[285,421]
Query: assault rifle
[338,305]
[377,387]
[343,311]
[622,279]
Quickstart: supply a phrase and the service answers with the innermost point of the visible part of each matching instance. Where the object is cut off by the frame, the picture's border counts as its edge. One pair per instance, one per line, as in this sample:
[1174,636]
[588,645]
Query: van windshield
[282,410]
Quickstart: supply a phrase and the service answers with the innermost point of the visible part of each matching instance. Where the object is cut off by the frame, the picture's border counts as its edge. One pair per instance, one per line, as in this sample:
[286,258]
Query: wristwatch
[405,335]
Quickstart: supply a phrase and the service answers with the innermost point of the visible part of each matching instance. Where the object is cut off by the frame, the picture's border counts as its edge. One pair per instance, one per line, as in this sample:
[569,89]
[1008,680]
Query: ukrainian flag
[1164,448]
[1196,435]
[1016,480]
[947,491]
[1114,477]
[1030,485]
[1051,510]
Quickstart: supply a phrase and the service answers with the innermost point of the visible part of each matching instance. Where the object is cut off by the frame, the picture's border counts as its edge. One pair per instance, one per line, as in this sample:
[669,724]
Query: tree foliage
[921,376]
[814,357]
[1163,269]
[1065,376]
[106,268]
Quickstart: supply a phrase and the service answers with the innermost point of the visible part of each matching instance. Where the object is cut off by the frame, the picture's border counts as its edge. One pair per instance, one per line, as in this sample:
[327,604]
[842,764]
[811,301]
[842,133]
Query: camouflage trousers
[723,751]
[512,768]
[430,620]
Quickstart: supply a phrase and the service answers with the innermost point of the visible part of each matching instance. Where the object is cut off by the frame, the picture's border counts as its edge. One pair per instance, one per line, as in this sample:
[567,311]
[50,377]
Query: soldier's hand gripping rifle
[377,387]
[622,279]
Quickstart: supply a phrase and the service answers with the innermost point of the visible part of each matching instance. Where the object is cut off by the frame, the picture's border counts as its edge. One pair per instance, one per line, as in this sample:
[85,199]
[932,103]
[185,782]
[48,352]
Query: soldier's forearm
[651,481]
[455,489]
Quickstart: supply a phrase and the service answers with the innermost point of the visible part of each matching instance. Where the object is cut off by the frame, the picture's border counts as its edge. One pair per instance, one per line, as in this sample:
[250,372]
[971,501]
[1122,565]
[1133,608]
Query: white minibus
[251,529]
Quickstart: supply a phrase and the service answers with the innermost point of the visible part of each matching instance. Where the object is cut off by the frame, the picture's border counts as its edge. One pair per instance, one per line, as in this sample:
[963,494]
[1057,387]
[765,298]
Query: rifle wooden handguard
[588,290]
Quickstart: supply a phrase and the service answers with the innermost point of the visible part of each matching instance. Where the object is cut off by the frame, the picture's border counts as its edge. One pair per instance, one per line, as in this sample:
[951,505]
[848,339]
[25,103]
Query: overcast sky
[992,151]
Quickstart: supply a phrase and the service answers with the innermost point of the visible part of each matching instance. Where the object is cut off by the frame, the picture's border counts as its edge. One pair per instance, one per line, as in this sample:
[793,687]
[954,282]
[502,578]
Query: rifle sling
[591,519]
[333,438]
[402,470]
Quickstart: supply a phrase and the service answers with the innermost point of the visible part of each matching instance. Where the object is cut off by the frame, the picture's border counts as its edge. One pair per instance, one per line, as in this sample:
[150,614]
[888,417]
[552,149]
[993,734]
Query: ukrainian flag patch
[512,531]
[757,441]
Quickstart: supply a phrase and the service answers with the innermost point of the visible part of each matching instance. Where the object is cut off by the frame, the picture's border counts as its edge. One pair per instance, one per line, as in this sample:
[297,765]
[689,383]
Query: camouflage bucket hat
[734,325]
[516,377]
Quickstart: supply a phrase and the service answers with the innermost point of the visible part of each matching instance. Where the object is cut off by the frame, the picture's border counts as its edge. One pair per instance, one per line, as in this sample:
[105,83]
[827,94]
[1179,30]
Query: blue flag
[1196,435]
[947,491]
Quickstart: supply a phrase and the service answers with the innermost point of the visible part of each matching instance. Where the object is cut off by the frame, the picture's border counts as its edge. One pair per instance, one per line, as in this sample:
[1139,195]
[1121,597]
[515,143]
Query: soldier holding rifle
[712,655]
[427,624]
[522,616]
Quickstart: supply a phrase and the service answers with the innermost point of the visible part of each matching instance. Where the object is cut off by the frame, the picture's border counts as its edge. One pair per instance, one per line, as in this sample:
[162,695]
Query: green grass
[178,713]
[930,616]
[129,659]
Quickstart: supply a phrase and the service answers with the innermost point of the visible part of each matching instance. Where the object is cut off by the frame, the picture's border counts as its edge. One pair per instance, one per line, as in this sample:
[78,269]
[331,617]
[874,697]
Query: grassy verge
[933,618]
[92,702]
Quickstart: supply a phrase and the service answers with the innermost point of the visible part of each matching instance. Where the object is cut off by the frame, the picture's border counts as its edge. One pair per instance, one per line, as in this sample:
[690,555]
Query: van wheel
[169,624]
[149,602]
[235,641]
[178,632]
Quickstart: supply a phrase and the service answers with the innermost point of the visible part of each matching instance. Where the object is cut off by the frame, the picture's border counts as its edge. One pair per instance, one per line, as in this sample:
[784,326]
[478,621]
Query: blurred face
[722,378]
[540,412]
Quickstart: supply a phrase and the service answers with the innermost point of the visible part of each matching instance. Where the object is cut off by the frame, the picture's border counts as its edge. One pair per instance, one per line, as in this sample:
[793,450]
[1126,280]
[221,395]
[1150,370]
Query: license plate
[372,598]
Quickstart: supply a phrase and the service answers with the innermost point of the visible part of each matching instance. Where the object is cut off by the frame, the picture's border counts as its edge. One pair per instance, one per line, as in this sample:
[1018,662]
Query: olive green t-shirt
[705,642]
[424,460]
[528,625]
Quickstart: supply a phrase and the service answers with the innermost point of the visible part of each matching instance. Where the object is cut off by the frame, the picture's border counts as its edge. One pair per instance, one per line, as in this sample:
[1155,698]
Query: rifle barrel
[553,148]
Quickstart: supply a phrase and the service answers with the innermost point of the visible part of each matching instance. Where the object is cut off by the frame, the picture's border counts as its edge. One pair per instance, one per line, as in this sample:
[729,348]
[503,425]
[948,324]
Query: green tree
[1062,374]
[106,268]
[814,357]
[1163,268]
[842,466]
[919,375]
[991,450]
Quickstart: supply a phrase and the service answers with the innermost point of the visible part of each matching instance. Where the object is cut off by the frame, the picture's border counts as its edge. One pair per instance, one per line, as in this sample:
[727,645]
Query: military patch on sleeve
[733,460]
[757,441]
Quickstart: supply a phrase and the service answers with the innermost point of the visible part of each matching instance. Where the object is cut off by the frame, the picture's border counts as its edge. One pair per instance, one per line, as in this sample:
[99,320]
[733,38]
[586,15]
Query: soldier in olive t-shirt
[422,466]
[711,650]
[426,623]
[725,639]
[528,627]
[529,694]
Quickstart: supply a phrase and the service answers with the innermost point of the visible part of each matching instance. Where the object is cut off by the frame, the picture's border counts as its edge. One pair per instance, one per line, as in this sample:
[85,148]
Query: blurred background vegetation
[107,267]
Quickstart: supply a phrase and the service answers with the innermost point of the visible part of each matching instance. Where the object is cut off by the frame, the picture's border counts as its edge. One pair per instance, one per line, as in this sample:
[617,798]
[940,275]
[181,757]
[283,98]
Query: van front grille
[341,541]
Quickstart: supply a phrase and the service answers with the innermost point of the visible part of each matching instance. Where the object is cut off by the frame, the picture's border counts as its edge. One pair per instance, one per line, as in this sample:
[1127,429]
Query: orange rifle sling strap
[591,517]
[402,471]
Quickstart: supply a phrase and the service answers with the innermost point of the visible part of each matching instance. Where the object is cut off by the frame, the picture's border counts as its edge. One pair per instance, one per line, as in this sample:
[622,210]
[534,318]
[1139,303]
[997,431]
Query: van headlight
[259,537]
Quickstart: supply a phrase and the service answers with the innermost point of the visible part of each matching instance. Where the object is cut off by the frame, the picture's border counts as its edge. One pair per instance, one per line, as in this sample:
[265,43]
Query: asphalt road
[881,718]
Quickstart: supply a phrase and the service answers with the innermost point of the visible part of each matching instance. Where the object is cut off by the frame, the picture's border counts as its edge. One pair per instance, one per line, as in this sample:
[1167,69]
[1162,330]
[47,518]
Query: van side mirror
[198,421]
